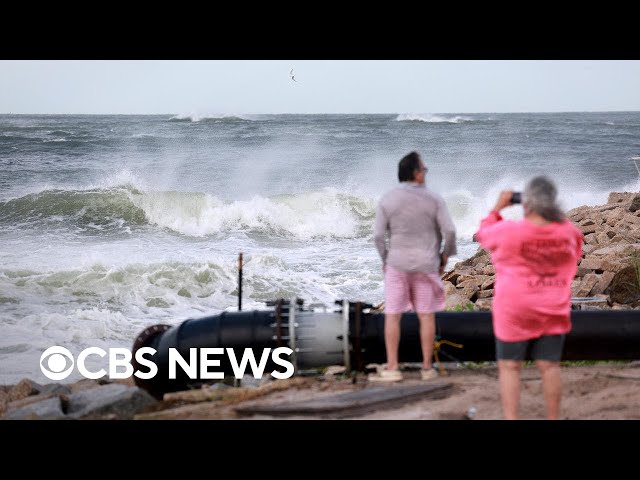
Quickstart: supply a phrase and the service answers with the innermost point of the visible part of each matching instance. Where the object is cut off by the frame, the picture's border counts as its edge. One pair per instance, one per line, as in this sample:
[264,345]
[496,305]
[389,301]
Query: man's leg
[552,386]
[392,338]
[427,337]
[396,290]
[509,373]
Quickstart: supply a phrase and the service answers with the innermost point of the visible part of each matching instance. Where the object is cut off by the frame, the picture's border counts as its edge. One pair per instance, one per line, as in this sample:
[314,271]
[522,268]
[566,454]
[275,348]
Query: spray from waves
[428,118]
[467,209]
[323,214]
[167,289]
[305,216]
[144,286]
[106,307]
[214,118]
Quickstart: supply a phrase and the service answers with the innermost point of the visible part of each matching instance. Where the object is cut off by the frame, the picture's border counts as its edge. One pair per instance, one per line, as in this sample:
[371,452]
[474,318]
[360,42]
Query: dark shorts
[547,347]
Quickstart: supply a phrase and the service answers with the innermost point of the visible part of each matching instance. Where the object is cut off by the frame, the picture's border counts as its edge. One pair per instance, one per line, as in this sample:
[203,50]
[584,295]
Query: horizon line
[326,113]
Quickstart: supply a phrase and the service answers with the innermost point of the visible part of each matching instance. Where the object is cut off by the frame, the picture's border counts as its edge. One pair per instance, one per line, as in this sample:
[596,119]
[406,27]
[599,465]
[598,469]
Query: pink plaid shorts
[417,291]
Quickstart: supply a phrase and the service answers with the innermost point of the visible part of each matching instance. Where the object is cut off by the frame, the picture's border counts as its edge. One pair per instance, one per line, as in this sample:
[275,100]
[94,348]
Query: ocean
[112,223]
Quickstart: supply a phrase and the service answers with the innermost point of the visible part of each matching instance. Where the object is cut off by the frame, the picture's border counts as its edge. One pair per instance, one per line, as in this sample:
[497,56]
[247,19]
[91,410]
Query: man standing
[417,220]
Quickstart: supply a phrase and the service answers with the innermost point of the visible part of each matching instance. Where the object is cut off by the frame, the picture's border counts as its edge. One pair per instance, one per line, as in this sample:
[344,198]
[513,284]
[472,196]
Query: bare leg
[392,338]
[509,373]
[427,337]
[552,386]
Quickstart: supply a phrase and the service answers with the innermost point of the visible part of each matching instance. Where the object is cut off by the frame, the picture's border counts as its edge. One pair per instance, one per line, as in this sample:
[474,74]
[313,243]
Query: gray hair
[540,197]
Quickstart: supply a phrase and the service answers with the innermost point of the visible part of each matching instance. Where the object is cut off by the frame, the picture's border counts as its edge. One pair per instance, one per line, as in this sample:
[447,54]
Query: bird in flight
[292,76]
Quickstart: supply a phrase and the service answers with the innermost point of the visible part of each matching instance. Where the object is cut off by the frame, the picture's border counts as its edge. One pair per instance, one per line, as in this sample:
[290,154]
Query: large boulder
[625,286]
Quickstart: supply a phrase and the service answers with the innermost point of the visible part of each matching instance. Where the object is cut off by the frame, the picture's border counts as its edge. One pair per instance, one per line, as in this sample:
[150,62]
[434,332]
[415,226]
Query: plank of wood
[354,403]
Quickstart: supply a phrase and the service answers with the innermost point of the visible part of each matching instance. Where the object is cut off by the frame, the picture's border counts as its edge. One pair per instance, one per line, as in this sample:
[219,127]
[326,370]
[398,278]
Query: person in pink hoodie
[535,261]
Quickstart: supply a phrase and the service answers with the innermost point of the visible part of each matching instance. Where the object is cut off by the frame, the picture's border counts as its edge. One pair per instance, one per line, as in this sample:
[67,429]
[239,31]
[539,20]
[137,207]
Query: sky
[321,86]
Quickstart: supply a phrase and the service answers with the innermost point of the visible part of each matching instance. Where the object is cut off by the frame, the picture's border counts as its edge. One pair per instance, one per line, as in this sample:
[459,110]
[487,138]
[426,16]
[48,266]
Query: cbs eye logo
[54,367]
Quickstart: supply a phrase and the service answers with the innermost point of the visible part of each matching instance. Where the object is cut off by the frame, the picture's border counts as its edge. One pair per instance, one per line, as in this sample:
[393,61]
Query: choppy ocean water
[109,224]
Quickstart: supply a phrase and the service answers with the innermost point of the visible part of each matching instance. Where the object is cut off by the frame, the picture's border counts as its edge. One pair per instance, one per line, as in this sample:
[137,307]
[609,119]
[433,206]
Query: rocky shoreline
[608,277]
[608,273]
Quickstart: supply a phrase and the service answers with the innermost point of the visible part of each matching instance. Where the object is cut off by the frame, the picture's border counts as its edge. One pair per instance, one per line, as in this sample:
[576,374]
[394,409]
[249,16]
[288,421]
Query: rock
[23,389]
[618,250]
[470,279]
[620,197]
[614,216]
[585,286]
[610,265]
[631,219]
[624,287]
[485,293]
[489,270]
[332,370]
[592,263]
[577,214]
[603,283]
[51,408]
[606,207]
[575,285]
[456,301]
[452,276]
[115,398]
[581,272]
[635,204]
[46,392]
[55,389]
[602,239]
[481,260]
[84,384]
[488,283]
[249,381]
[472,260]
[588,229]
[591,239]
[483,304]
[468,290]
[449,288]
[620,239]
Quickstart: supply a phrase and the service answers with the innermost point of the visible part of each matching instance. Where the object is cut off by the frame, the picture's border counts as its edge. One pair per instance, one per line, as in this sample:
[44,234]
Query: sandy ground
[595,392]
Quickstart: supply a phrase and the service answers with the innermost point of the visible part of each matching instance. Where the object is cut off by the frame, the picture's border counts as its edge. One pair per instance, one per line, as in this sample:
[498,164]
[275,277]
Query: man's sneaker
[386,376]
[429,374]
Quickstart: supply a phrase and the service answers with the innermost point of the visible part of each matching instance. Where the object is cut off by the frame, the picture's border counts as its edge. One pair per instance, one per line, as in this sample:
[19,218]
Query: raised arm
[487,235]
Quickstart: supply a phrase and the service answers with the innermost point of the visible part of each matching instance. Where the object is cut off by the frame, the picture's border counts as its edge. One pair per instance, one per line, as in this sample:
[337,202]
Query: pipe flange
[147,335]
[142,340]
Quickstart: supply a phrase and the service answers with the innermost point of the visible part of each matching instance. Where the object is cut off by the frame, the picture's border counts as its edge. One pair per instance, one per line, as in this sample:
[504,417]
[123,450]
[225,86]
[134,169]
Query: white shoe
[385,375]
[429,374]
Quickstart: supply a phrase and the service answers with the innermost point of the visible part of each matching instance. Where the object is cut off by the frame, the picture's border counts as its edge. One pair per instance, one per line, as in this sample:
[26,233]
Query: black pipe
[595,335]
[237,330]
[318,338]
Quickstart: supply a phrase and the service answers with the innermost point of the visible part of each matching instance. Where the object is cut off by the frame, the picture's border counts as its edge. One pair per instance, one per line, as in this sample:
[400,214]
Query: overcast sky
[321,86]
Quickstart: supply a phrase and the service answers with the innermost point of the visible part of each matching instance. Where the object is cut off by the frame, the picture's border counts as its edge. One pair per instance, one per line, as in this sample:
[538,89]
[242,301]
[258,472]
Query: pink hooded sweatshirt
[534,268]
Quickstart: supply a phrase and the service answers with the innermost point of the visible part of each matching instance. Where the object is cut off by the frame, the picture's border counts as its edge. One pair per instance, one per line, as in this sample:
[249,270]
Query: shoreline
[605,390]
